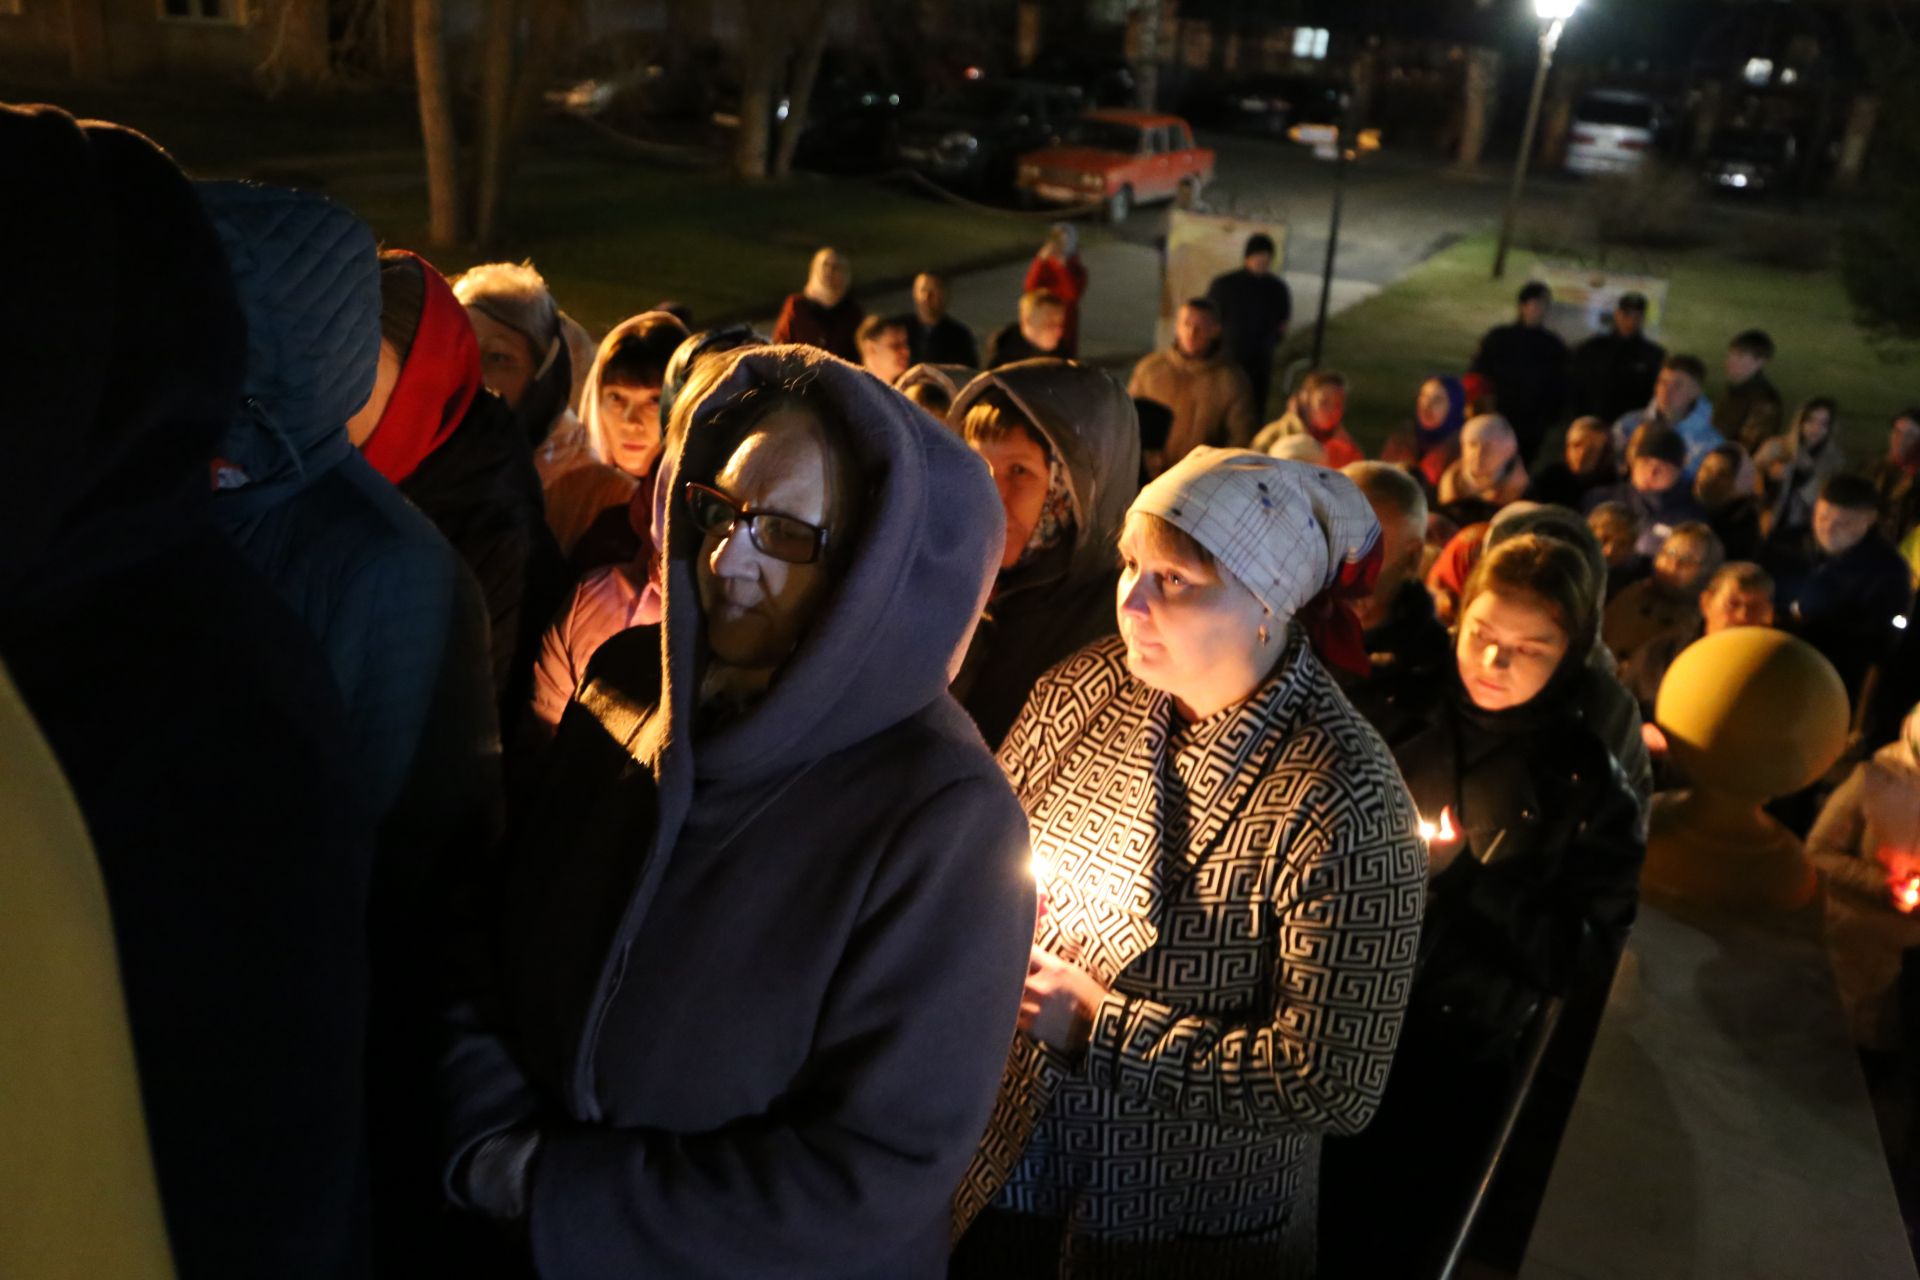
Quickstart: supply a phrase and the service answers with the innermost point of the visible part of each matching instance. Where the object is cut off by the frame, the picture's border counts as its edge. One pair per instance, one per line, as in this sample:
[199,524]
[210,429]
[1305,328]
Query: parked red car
[1121,158]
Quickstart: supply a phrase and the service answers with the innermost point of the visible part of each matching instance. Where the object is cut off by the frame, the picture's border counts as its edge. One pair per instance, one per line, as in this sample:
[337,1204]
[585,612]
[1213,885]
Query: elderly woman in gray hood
[1063,444]
[759,954]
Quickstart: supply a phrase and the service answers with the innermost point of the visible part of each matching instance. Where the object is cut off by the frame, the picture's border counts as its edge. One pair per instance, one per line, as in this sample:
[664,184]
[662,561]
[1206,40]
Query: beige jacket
[1867,837]
[1211,400]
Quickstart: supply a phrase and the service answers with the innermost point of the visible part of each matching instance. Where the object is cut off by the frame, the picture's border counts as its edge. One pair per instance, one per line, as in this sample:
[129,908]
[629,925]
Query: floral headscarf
[1055,524]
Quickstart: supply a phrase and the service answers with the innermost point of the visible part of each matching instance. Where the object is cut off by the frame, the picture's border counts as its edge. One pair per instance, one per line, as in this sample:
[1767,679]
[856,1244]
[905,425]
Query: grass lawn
[1429,322]
[612,233]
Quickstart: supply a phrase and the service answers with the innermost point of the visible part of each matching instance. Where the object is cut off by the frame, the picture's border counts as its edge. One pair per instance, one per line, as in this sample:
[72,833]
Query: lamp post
[1553,17]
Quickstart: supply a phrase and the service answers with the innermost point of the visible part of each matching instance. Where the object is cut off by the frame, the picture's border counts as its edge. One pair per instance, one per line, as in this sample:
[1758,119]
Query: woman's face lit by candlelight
[1190,628]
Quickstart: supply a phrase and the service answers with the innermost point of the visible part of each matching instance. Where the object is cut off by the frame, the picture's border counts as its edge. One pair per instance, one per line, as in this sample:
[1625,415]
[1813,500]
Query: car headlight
[960,142]
[1093,182]
[1029,172]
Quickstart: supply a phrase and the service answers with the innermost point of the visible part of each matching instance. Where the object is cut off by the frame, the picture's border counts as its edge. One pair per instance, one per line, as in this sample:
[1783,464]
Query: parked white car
[1613,132]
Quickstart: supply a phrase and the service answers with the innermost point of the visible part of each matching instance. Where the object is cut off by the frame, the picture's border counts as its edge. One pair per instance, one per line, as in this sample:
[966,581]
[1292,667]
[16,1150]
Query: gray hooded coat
[754,984]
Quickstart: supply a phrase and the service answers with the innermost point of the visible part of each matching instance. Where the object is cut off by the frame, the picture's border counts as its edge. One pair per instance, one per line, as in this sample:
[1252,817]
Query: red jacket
[1068,280]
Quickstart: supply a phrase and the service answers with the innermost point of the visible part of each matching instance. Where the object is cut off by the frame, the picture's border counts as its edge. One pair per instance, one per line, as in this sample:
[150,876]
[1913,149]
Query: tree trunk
[760,62]
[441,142]
[1146,71]
[1861,119]
[806,69]
[496,116]
[1482,91]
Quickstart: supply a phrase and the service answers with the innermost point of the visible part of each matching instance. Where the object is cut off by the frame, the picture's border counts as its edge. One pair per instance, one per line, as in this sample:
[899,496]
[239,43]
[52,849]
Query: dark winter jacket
[945,341]
[482,493]
[1613,375]
[1043,611]
[754,983]
[832,329]
[1659,513]
[1843,605]
[1409,650]
[190,711]
[399,615]
[1546,881]
[1528,368]
[1749,412]
[1255,309]
[1007,345]
[403,625]
[1561,485]
[1737,524]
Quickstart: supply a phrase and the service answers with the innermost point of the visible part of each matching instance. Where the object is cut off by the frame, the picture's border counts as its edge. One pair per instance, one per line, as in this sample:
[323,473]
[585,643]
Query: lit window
[1758,70]
[1309,42]
[1788,75]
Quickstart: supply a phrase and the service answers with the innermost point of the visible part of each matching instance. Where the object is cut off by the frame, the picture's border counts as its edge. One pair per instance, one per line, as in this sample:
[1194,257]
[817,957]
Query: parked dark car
[850,122]
[1268,105]
[971,136]
[1753,162]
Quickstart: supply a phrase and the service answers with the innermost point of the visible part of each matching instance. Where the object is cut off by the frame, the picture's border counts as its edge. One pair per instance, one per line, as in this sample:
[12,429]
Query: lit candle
[1907,896]
[1442,832]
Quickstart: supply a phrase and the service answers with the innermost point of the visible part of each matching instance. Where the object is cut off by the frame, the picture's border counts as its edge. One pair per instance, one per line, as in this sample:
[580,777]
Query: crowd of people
[488,802]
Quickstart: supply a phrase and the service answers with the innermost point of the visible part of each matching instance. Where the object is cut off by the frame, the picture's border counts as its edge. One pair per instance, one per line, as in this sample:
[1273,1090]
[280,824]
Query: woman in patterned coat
[1231,884]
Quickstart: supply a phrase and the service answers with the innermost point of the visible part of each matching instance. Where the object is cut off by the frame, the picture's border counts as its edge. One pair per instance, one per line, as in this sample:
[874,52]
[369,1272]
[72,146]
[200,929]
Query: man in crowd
[1680,402]
[1894,475]
[1667,599]
[1740,594]
[1842,588]
[1614,372]
[1749,409]
[1656,489]
[1038,332]
[936,337]
[1255,307]
[886,350]
[1208,393]
[1527,364]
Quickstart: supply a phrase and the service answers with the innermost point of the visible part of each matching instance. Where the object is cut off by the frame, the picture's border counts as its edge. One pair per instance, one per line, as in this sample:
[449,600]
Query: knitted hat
[1300,537]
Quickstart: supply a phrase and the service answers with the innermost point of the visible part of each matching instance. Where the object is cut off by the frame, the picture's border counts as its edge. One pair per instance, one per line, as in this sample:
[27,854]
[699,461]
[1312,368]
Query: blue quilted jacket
[389,599]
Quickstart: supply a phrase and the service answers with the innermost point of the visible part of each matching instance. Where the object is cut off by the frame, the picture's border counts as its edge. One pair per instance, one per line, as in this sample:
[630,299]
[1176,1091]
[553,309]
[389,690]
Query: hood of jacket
[1089,421]
[125,348]
[439,370]
[308,276]
[891,634]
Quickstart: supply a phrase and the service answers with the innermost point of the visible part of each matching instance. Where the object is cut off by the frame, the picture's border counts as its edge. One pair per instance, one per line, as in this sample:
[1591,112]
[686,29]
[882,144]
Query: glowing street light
[1553,22]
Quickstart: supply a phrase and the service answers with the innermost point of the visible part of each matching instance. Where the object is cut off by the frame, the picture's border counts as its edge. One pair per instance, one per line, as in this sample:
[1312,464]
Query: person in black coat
[1039,331]
[1527,364]
[1407,646]
[196,720]
[1255,308]
[476,481]
[1535,853]
[936,337]
[1614,372]
[1587,463]
[1842,588]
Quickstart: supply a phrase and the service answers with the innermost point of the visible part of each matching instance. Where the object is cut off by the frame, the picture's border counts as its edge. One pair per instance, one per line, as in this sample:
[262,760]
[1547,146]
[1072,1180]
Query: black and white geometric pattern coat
[1249,889]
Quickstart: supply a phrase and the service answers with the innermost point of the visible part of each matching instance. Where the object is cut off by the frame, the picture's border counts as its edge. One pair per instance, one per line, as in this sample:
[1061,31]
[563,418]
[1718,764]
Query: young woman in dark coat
[1534,856]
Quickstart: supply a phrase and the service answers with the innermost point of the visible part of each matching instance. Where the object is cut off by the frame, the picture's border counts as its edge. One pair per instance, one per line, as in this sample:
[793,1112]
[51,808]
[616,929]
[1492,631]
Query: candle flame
[1907,897]
[1444,831]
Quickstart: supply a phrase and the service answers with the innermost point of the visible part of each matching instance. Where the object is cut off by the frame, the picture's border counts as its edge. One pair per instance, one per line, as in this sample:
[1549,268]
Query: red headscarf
[436,385]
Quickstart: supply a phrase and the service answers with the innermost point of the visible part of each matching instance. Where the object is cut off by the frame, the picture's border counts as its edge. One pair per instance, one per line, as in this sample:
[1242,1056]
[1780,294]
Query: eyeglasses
[782,537]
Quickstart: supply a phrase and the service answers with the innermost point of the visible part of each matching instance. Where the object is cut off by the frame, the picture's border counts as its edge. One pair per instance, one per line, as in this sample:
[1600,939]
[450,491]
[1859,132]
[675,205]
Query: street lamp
[1553,18]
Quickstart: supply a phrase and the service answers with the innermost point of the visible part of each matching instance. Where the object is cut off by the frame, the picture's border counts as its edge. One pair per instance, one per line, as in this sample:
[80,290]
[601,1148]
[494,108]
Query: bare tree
[445,226]
[806,70]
